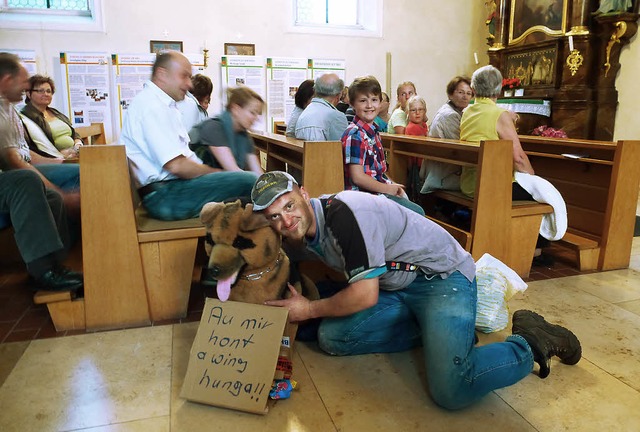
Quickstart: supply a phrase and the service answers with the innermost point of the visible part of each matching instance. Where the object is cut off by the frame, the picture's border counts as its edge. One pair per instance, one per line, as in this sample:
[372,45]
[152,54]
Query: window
[331,12]
[50,5]
[78,15]
[338,17]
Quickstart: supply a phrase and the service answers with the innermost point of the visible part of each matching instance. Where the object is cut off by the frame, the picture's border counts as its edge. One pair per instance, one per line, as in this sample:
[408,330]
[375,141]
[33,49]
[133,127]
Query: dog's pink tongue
[224,288]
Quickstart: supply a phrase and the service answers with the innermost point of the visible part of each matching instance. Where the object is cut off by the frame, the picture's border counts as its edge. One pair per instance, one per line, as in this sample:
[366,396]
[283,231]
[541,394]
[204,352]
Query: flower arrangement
[549,132]
[511,83]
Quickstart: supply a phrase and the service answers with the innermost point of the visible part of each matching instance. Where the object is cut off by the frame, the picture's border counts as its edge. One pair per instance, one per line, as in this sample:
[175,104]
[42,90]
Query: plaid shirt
[361,145]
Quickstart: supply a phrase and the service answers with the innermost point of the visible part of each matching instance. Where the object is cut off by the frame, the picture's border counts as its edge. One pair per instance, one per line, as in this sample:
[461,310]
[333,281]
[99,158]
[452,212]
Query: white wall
[430,42]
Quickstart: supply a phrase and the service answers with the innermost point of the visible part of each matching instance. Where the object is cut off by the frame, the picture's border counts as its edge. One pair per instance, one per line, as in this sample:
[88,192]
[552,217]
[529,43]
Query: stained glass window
[66,5]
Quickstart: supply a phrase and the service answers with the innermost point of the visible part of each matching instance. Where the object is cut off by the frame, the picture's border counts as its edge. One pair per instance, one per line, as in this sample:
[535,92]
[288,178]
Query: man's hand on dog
[298,305]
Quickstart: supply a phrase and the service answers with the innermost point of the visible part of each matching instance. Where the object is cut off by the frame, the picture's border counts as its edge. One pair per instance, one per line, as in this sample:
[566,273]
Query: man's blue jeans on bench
[184,198]
[440,315]
[64,175]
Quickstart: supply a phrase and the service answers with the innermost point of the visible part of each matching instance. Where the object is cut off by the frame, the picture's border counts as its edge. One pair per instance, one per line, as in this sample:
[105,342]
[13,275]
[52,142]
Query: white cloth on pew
[439,176]
[39,138]
[554,225]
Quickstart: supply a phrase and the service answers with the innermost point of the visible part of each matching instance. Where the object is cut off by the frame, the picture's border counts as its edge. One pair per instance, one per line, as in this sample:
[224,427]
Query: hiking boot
[546,340]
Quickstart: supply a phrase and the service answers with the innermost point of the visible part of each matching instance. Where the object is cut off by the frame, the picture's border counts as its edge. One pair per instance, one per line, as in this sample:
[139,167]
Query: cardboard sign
[234,355]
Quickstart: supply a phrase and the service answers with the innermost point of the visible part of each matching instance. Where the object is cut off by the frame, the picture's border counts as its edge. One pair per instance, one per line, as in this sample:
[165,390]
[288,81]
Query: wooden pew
[93,134]
[136,269]
[600,189]
[319,162]
[505,229]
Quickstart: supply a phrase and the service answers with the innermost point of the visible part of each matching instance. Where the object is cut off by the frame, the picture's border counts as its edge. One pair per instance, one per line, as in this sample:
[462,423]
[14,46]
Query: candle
[205,44]
[570,43]
[475,57]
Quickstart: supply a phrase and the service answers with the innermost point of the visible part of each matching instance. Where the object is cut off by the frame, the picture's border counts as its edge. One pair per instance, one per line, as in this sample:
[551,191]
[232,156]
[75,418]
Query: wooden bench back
[491,218]
[93,134]
[600,188]
[319,162]
[109,239]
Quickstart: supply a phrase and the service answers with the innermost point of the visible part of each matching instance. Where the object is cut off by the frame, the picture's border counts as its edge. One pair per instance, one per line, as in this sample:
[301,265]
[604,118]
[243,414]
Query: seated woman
[303,97]
[55,125]
[223,141]
[194,106]
[484,120]
[398,120]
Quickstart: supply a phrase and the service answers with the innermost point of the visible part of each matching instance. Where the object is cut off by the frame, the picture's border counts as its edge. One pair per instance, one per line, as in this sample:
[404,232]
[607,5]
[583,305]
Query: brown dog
[245,255]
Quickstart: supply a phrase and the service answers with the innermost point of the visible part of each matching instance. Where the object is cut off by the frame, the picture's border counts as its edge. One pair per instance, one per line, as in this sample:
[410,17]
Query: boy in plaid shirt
[365,166]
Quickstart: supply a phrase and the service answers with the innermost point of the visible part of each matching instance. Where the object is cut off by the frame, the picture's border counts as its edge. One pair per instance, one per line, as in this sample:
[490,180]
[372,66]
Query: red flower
[549,132]
[511,83]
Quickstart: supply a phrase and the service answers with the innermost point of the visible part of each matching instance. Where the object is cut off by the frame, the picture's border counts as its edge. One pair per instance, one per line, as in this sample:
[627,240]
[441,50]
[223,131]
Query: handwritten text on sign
[234,355]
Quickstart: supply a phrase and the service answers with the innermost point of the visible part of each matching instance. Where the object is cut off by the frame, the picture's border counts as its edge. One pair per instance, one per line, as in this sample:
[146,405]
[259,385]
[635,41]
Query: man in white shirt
[320,120]
[173,182]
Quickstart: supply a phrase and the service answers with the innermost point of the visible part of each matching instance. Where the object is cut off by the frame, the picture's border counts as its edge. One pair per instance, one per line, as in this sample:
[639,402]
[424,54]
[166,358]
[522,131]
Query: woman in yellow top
[484,120]
[55,125]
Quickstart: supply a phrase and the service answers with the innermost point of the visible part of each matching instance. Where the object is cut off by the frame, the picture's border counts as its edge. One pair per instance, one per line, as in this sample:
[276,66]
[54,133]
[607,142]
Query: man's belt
[152,187]
[401,266]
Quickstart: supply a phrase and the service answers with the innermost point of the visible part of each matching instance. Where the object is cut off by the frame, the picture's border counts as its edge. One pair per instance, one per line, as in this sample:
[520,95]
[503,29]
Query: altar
[566,56]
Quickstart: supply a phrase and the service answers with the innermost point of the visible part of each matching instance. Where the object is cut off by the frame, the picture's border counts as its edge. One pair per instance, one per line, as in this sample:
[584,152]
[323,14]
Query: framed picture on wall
[239,49]
[529,16]
[157,46]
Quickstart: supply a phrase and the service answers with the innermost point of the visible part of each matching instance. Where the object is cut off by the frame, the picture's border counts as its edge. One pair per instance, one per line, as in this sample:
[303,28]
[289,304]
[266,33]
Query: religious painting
[156,46]
[533,68]
[529,16]
[239,49]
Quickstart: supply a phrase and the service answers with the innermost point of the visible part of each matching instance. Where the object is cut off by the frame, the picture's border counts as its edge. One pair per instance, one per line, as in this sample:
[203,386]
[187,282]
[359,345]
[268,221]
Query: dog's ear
[252,221]
[209,212]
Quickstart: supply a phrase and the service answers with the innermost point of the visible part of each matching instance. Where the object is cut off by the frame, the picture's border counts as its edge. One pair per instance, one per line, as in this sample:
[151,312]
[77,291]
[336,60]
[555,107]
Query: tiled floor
[130,380]
[21,320]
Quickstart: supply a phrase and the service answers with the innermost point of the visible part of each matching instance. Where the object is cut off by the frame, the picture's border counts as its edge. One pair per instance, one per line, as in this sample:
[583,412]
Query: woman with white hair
[484,120]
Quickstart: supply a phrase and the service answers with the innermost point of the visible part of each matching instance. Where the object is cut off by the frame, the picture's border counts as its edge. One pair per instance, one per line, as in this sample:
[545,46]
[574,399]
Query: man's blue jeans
[184,198]
[440,314]
[64,175]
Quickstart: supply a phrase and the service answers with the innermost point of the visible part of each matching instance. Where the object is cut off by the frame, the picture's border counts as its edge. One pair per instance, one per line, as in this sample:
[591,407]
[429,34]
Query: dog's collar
[258,275]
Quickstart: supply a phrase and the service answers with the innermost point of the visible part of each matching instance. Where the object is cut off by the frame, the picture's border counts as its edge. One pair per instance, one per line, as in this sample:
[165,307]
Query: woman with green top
[55,125]
[484,120]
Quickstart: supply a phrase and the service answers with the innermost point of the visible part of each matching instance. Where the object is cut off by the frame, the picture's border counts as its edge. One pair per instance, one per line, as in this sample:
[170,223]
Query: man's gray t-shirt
[359,233]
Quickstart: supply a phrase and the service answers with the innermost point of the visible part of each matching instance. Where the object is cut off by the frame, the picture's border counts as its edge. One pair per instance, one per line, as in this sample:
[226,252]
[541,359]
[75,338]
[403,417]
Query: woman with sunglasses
[55,125]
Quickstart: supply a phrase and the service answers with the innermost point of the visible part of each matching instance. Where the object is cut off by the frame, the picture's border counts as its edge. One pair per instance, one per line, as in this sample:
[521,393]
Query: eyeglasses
[417,110]
[462,93]
[42,91]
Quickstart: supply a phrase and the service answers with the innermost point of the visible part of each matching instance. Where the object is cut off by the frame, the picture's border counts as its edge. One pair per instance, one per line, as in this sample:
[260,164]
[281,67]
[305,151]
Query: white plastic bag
[497,283]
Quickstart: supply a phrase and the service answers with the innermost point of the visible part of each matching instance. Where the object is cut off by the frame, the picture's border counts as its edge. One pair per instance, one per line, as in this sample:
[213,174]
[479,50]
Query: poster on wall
[284,75]
[27,57]
[86,81]
[28,60]
[131,71]
[197,63]
[239,70]
[319,67]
